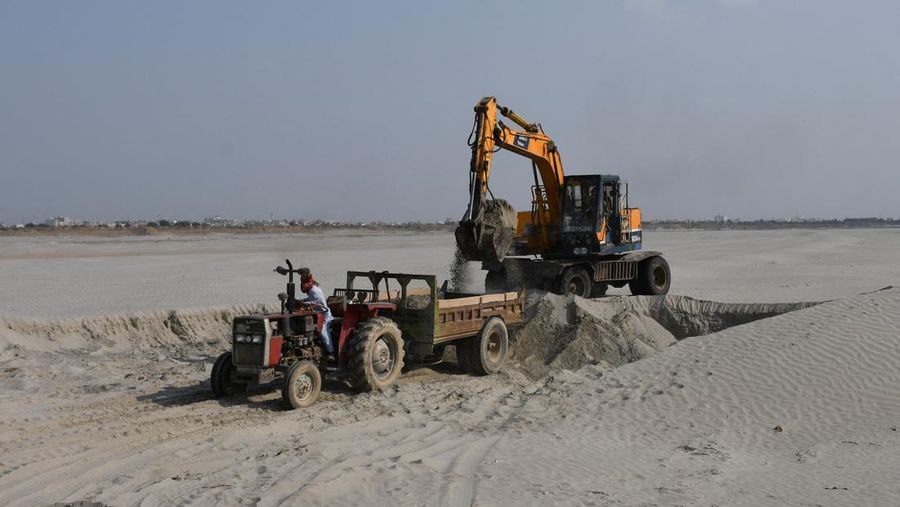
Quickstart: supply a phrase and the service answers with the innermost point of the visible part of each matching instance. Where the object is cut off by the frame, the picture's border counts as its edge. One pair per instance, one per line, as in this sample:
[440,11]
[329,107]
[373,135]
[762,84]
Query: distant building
[60,222]
[218,221]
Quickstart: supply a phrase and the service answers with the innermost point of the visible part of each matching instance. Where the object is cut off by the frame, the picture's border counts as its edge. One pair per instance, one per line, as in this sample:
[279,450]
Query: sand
[460,274]
[629,401]
[49,278]
[569,333]
[499,213]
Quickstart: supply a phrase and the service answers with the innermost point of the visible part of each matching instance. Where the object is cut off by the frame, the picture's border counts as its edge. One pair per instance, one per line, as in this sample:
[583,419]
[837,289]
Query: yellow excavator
[580,236]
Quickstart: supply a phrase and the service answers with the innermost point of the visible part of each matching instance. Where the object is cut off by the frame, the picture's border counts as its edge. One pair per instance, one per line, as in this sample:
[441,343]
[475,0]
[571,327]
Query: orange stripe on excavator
[634,218]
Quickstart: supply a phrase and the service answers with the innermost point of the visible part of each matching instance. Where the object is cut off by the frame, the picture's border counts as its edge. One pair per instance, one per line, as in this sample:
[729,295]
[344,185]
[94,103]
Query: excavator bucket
[488,236]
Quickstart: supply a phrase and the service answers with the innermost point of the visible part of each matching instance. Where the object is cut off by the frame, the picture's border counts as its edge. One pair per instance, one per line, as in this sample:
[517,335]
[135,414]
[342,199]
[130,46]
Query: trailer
[431,317]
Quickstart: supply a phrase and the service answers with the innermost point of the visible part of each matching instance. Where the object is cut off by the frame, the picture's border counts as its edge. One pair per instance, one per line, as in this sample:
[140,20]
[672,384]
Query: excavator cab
[592,214]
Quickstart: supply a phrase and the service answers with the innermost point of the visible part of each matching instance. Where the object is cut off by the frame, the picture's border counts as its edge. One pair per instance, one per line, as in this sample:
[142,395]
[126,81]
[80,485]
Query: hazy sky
[360,110]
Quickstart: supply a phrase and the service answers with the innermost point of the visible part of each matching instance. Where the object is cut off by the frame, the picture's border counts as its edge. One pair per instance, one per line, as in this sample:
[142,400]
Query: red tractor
[369,347]
[374,331]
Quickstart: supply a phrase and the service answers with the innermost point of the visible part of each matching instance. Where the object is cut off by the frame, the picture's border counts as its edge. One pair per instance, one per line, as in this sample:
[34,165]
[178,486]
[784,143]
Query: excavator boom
[487,230]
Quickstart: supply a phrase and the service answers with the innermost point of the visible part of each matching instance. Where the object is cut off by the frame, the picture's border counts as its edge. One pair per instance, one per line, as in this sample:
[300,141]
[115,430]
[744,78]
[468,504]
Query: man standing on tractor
[316,298]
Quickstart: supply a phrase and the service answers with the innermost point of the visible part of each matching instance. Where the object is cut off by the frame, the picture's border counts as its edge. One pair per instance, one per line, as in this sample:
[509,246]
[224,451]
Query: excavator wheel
[575,281]
[653,278]
[375,355]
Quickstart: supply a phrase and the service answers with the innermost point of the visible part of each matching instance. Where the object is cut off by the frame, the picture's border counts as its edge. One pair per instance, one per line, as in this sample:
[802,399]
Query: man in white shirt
[316,298]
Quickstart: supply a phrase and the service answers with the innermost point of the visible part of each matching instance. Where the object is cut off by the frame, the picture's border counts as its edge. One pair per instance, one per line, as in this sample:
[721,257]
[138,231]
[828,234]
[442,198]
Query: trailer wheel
[464,355]
[375,355]
[302,384]
[576,282]
[653,278]
[488,350]
[220,378]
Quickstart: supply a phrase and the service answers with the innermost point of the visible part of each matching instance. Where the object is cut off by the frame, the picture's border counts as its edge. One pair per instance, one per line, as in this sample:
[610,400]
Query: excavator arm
[487,230]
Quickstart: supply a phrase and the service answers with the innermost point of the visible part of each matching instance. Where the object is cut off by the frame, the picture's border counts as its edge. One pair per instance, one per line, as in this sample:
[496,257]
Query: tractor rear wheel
[375,355]
[220,378]
[302,384]
[575,281]
[488,351]
[653,278]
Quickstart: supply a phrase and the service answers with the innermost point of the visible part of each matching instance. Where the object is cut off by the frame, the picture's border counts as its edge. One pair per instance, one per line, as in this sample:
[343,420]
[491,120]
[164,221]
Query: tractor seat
[336,305]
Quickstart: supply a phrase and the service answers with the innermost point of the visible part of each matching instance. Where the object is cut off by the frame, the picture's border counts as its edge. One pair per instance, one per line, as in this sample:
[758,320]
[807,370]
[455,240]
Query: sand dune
[123,416]
[570,333]
[696,422]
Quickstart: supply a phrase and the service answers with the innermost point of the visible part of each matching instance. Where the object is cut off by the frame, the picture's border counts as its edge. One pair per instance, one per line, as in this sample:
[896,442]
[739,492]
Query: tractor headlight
[248,338]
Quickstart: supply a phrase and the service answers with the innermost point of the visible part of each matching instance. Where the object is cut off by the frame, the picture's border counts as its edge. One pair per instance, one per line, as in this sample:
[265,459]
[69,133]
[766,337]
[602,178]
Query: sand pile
[798,409]
[142,331]
[568,333]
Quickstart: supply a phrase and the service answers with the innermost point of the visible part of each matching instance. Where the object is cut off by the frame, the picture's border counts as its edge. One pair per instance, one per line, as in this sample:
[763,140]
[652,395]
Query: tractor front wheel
[302,384]
[220,379]
[375,355]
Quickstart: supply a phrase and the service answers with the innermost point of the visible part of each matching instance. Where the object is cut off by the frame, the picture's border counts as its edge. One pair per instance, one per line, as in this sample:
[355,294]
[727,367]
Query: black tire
[489,350]
[220,378]
[599,290]
[653,279]
[375,357]
[575,281]
[302,384]
[464,355]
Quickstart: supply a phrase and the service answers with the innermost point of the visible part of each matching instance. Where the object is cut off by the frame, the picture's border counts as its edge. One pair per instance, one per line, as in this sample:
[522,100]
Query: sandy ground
[68,277]
[675,400]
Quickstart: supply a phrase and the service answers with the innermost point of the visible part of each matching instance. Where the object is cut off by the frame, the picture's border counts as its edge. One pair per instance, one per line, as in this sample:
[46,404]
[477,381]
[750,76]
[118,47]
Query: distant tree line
[846,223]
